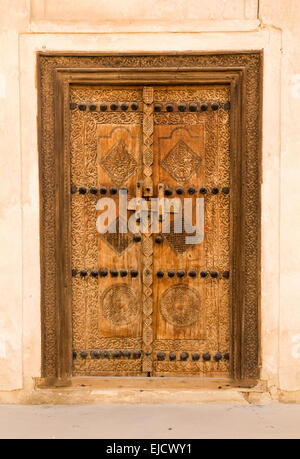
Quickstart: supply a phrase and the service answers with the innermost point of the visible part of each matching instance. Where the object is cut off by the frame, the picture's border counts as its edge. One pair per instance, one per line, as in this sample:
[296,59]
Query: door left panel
[105,149]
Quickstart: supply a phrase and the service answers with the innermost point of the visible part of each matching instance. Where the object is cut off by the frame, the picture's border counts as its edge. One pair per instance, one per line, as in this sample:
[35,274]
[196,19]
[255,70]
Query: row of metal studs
[184,356]
[168,191]
[195,356]
[192,273]
[103,272]
[96,354]
[158,107]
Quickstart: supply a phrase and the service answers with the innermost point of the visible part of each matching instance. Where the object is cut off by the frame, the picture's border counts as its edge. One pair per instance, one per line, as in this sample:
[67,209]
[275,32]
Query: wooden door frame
[56,71]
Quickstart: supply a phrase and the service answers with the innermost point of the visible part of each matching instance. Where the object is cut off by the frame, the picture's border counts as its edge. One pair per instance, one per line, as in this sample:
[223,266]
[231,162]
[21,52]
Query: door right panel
[191,286]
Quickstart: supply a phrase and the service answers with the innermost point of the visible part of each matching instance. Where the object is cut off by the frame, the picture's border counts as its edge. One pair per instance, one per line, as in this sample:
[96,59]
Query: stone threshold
[142,390]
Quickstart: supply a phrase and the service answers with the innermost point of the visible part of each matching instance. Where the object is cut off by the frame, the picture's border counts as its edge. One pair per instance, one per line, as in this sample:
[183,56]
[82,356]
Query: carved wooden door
[151,303]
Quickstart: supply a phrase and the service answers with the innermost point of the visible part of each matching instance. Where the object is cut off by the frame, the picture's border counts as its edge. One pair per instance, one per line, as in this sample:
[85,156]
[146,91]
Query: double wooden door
[151,303]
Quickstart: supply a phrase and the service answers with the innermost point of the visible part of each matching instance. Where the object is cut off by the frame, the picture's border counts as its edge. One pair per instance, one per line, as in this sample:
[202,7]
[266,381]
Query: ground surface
[150,421]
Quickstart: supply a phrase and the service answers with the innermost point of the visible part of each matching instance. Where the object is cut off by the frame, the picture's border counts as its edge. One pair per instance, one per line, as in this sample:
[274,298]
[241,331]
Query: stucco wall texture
[27,26]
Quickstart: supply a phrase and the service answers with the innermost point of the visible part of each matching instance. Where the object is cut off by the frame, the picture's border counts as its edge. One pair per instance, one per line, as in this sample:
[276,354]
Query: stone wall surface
[27,26]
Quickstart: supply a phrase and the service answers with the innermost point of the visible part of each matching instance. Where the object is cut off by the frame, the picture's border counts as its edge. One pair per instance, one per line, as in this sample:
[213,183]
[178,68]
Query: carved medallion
[120,305]
[119,242]
[181,162]
[180,305]
[118,163]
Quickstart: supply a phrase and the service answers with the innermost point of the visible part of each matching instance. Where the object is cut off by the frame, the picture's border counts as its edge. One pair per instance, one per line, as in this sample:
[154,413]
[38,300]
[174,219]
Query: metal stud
[157,107]
[195,356]
[114,106]
[158,239]
[225,190]
[172,356]
[83,273]
[103,107]
[206,357]
[215,190]
[179,190]
[73,189]
[113,190]
[203,274]
[84,354]
[137,354]
[95,354]
[226,356]
[93,190]
[191,190]
[93,107]
[134,272]
[215,106]
[74,272]
[94,273]
[74,355]
[103,272]
[168,191]
[82,190]
[160,356]
[193,107]
[123,272]
[180,273]
[193,273]
[218,357]
[105,354]
[134,106]
[184,356]
[169,107]
[204,107]
[116,354]
[73,105]
[214,274]
[225,274]
[227,105]
[114,273]
[127,353]
[160,274]
[82,107]
[124,106]
[103,190]
[171,273]
[182,107]
[137,238]
[203,190]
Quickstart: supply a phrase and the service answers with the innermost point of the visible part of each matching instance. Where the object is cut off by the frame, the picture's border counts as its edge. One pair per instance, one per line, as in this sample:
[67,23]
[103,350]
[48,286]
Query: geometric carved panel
[181,162]
[119,163]
[116,240]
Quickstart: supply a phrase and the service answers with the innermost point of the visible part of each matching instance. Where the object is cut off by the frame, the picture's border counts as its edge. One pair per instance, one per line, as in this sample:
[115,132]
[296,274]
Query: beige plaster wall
[27,26]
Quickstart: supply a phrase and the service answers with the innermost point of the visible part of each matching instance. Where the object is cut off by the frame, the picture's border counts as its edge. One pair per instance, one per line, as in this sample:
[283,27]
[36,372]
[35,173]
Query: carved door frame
[56,71]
